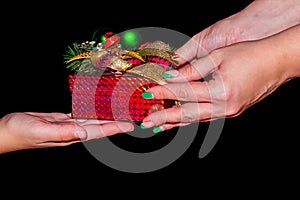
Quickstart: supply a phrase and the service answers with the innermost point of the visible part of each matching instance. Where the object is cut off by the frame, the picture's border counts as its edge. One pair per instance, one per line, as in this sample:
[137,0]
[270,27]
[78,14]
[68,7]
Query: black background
[257,147]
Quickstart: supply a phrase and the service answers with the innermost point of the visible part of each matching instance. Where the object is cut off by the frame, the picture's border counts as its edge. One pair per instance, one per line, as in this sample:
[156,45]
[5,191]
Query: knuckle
[188,70]
[233,111]
[225,94]
[188,117]
[158,118]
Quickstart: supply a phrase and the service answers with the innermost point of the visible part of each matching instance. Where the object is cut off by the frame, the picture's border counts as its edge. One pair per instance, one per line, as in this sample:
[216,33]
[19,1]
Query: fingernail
[170,74]
[145,125]
[147,95]
[126,127]
[157,130]
[166,75]
[80,133]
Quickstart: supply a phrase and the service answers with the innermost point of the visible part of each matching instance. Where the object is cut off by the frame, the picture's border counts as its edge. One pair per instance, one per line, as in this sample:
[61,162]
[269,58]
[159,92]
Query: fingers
[54,116]
[185,114]
[65,133]
[165,127]
[83,122]
[193,49]
[188,51]
[189,91]
[59,132]
[195,70]
[107,129]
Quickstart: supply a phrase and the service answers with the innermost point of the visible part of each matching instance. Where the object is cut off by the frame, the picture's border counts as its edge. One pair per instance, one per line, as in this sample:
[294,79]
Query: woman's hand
[30,130]
[228,80]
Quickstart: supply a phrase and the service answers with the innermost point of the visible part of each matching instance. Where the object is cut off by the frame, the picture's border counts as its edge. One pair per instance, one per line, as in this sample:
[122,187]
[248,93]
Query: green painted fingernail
[166,75]
[147,95]
[157,130]
[143,127]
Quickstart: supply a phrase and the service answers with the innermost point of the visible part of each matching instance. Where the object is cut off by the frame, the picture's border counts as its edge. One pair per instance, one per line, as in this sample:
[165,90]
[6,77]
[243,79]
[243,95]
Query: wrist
[2,135]
[285,51]
[290,53]
[6,142]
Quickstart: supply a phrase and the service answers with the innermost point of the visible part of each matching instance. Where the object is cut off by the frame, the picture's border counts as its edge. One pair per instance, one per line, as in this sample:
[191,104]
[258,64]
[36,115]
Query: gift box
[108,81]
[113,97]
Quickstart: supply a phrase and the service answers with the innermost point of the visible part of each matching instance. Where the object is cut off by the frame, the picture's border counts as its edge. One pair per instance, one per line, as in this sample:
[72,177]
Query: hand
[258,20]
[40,130]
[228,80]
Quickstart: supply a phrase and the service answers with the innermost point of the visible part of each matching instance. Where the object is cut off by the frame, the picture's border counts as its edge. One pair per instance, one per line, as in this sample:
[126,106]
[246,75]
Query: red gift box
[113,97]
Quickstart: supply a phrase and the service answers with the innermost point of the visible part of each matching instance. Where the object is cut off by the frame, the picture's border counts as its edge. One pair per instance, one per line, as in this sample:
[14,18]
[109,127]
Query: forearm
[260,19]
[284,48]
[263,18]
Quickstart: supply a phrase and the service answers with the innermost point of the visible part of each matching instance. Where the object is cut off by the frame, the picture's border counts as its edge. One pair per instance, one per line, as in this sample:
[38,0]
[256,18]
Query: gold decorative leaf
[150,70]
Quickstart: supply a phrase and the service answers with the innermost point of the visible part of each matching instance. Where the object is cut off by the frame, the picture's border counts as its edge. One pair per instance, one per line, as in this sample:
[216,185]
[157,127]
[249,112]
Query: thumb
[194,71]
[191,50]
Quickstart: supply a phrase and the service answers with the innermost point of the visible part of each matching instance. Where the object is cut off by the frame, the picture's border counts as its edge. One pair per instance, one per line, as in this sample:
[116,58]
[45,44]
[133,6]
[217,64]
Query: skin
[203,55]
[29,130]
[259,20]
[242,74]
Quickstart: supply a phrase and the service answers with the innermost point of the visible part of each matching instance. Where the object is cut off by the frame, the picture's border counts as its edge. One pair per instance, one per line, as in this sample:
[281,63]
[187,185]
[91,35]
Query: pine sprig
[79,65]
[71,52]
